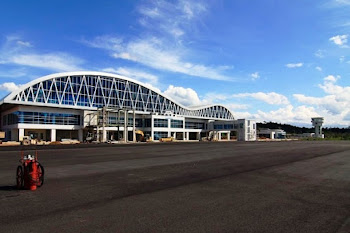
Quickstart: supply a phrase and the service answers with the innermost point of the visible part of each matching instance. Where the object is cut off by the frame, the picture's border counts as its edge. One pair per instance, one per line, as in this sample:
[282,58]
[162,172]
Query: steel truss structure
[93,90]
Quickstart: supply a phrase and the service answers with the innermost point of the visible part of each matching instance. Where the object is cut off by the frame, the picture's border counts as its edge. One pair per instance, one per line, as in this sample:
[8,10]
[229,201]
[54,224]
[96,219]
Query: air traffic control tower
[317,123]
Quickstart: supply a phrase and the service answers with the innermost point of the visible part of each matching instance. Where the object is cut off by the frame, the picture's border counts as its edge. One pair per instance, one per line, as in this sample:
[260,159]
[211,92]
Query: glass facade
[194,125]
[224,126]
[20,117]
[159,135]
[161,123]
[177,124]
[99,91]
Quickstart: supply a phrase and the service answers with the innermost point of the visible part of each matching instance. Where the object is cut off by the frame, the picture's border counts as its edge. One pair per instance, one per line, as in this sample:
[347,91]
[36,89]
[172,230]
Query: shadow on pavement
[8,188]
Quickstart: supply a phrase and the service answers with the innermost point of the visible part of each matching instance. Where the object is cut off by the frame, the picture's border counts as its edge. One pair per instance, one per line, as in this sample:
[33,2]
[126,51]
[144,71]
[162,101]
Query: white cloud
[150,12]
[189,97]
[270,98]
[332,78]
[191,9]
[288,114]
[9,86]
[13,73]
[340,40]
[294,65]
[234,106]
[318,68]
[24,43]
[319,53]
[185,96]
[104,42]
[335,105]
[242,115]
[17,51]
[342,2]
[342,59]
[156,54]
[168,22]
[135,74]
[51,61]
[347,24]
[255,75]
[211,97]
[329,103]
[172,18]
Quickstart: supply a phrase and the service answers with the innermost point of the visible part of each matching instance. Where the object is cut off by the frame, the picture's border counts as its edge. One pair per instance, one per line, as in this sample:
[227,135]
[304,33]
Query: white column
[80,135]
[174,135]
[169,128]
[187,136]
[20,134]
[53,135]
[198,136]
[133,126]
[104,120]
[126,119]
[104,135]
[152,127]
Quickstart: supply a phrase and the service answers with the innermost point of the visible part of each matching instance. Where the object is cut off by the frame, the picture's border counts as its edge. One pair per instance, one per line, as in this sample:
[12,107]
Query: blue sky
[272,60]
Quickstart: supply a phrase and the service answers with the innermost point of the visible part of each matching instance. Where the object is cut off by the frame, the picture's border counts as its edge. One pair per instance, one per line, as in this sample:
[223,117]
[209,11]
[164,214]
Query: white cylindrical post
[134,126]
[20,134]
[126,119]
[53,135]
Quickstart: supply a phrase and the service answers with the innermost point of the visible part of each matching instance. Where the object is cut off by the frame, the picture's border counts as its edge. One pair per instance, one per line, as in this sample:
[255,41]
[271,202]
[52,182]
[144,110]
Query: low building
[271,133]
[75,104]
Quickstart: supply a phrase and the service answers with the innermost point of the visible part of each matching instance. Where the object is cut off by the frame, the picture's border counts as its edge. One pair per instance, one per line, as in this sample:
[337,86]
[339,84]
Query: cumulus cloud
[318,68]
[335,105]
[255,75]
[332,78]
[9,86]
[185,96]
[340,40]
[270,98]
[242,115]
[294,65]
[330,102]
[288,114]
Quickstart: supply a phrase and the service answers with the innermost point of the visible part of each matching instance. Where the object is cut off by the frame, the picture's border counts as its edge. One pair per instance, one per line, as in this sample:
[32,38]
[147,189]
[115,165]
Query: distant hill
[330,133]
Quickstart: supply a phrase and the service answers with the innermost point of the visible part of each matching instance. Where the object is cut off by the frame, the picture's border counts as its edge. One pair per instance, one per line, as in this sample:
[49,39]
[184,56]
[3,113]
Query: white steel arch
[91,90]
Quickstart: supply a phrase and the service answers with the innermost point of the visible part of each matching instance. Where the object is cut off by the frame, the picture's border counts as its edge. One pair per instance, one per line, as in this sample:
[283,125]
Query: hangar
[110,106]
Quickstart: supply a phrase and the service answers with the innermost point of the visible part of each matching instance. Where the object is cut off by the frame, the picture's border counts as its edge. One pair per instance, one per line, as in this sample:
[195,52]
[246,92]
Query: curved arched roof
[91,90]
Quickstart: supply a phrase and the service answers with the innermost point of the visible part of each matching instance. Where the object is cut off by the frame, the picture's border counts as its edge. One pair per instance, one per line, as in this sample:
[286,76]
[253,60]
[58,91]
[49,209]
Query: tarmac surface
[297,186]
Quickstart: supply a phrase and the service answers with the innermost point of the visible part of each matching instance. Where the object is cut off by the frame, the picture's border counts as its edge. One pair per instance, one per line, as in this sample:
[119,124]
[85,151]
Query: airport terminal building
[112,107]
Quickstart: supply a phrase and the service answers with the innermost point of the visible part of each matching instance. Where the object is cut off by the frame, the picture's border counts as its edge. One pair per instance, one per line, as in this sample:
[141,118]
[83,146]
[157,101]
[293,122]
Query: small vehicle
[90,137]
[30,174]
